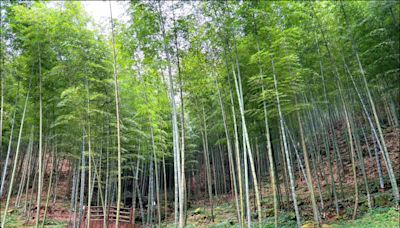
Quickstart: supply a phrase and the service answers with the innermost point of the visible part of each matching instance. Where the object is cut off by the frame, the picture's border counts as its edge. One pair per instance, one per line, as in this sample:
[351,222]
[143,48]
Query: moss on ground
[15,219]
[380,217]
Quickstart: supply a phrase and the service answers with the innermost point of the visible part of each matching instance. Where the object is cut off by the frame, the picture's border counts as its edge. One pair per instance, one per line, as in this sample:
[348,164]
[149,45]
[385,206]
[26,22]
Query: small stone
[308,225]
[197,211]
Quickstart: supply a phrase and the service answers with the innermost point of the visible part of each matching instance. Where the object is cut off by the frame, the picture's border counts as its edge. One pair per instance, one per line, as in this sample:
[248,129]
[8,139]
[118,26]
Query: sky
[100,10]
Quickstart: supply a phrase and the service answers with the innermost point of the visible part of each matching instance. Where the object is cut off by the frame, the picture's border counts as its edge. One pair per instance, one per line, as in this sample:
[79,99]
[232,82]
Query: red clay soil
[57,211]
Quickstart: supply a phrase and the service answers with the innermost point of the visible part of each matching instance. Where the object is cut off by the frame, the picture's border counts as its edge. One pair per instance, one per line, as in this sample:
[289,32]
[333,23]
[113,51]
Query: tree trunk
[89,202]
[267,133]
[182,182]
[5,167]
[73,189]
[28,205]
[39,194]
[288,162]
[308,170]
[165,188]
[378,125]
[236,138]
[134,184]
[3,222]
[82,190]
[175,135]
[207,164]
[48,190]
[118,121]
[2,84]
[239,91]
[25,172]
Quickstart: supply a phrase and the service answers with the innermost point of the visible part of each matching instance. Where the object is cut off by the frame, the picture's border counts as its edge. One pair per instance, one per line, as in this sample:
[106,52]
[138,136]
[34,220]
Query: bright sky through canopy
[100,10]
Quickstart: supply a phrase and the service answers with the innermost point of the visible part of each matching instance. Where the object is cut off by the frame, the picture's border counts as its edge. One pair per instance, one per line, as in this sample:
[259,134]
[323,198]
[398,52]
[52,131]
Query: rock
[198,211]
[311,224]
[308,225]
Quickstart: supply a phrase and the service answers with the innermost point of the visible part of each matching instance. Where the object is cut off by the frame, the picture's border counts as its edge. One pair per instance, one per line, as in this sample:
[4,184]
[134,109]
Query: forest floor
[198,215]
[382,215]
[379,217]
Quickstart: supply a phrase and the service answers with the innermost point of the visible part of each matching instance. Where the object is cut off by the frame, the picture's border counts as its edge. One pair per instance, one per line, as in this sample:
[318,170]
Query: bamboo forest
[199,113]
